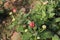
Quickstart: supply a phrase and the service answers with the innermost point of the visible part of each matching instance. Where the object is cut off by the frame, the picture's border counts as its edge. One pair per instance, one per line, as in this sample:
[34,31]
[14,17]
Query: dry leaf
[16,36]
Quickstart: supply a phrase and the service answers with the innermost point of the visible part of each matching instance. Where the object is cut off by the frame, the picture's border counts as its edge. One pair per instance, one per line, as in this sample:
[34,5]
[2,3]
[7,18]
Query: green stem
[35,37]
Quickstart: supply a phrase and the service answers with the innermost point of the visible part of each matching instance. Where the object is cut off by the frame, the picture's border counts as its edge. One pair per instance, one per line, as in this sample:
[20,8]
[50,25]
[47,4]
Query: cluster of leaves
[40,23]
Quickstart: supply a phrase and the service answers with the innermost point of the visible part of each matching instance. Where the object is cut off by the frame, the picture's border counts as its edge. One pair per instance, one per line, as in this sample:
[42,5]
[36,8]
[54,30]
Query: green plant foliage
[57,19]
[1,11]
[55,37]
[40,23]
[46,34]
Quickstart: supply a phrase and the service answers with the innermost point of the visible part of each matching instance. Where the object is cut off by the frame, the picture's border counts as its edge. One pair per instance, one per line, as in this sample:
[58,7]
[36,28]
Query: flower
[13,19]
[14,10]
[26,30]
[10,13]
[38,37]
[44,26]
[44,3]
[32,24]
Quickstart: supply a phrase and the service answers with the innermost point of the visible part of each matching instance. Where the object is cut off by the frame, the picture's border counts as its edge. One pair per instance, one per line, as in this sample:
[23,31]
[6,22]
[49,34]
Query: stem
[35,37]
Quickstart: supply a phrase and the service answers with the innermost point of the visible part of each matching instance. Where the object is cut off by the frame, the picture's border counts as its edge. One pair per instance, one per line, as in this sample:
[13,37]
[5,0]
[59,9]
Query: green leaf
[20,28]
[25,15]
[43,14]
[1,11]
[26,36]
[55,37]
[51,15]
[12,25]
[58,32]
[50,8]
[30,29]
[57,19]
[35,28]
[31,38]
[46,34]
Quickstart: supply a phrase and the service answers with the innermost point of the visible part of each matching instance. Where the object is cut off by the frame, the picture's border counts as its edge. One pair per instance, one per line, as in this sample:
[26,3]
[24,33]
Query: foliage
[40,23]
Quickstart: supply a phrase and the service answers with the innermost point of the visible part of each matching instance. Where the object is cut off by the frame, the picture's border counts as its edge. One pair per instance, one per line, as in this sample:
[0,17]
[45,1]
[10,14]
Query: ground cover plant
[29,19]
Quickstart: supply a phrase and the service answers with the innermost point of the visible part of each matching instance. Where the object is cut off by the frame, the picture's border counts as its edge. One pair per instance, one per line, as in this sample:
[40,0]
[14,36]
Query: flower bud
[38,37]
[13,19]
[26,30]
[32,24]
[14,10]
[10,13]
[44,26]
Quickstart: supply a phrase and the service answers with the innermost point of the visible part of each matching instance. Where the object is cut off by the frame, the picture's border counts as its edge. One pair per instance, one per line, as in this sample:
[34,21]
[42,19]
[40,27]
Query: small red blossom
[32,24]
[14,10]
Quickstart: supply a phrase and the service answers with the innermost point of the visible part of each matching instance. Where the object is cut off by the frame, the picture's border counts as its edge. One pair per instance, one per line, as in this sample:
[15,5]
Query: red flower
[14,10]
[32,24]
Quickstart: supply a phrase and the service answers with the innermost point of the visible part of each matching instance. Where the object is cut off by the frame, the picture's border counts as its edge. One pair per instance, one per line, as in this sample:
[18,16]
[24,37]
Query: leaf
[25,15]
[12,25]
[58,32]
[43,14]
[15,36]
[20,28]
[30,29]
[26,36]
[46,34]
[1,11]
[31,38]
[51,15]
[35,28]
[55,37]
[50,8]
[57,19]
